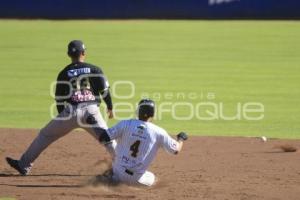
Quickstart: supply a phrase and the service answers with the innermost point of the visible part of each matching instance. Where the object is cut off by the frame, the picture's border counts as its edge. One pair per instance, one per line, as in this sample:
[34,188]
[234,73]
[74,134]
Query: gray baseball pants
[84,115]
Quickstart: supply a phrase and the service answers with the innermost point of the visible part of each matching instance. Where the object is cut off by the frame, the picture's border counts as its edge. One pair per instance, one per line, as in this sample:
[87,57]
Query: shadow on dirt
[40,175]
[42,186]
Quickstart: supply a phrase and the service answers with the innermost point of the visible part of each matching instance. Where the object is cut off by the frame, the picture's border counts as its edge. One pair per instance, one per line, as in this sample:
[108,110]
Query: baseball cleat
[15,164]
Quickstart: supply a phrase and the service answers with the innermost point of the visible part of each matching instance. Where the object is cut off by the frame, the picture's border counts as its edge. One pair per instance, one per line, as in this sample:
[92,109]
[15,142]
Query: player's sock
[110,147]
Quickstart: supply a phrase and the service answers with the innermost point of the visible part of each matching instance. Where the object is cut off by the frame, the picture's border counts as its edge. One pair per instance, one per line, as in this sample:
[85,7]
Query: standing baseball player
[78,89]
[137,143]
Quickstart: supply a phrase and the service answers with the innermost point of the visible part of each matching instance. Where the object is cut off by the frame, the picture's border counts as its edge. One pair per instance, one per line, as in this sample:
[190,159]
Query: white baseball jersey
[137,144]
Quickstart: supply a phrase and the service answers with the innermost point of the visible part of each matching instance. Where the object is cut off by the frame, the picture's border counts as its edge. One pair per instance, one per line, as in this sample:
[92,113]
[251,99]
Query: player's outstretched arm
[182,136]
[171,145]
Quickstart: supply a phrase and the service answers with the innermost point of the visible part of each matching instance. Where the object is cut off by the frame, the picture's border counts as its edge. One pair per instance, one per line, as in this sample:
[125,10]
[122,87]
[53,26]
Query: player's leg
[147,179]
[120,175]
[92,119]
[55,129]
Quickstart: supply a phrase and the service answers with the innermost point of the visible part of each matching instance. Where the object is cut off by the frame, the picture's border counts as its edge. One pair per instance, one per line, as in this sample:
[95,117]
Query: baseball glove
[182,136]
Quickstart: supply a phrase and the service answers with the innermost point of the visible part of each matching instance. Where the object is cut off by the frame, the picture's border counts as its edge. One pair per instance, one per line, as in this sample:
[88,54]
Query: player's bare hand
[110,114]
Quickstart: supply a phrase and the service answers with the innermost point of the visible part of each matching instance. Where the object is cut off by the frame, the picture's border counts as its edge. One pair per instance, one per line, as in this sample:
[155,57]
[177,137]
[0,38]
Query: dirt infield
[208,168]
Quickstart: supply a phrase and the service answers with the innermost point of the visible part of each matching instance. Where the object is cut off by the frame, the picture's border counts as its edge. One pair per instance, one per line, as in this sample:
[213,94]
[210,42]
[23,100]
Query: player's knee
[91,120]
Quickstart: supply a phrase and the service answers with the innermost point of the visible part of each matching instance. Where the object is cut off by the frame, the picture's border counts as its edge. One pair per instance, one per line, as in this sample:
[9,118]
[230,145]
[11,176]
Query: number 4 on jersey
[135,148]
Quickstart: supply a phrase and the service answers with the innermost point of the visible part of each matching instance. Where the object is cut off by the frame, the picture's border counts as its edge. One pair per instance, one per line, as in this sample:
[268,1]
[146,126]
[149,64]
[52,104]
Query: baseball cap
[75,47]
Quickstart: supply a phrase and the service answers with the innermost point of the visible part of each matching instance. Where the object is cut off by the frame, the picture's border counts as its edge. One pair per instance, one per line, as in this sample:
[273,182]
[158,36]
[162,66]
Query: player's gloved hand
[182,136]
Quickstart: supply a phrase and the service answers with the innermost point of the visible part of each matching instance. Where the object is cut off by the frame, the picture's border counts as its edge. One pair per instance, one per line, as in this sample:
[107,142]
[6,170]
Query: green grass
[238,61]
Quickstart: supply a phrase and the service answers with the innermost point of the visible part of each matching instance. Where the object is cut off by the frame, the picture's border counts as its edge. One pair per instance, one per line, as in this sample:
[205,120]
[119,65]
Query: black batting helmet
[146,109]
